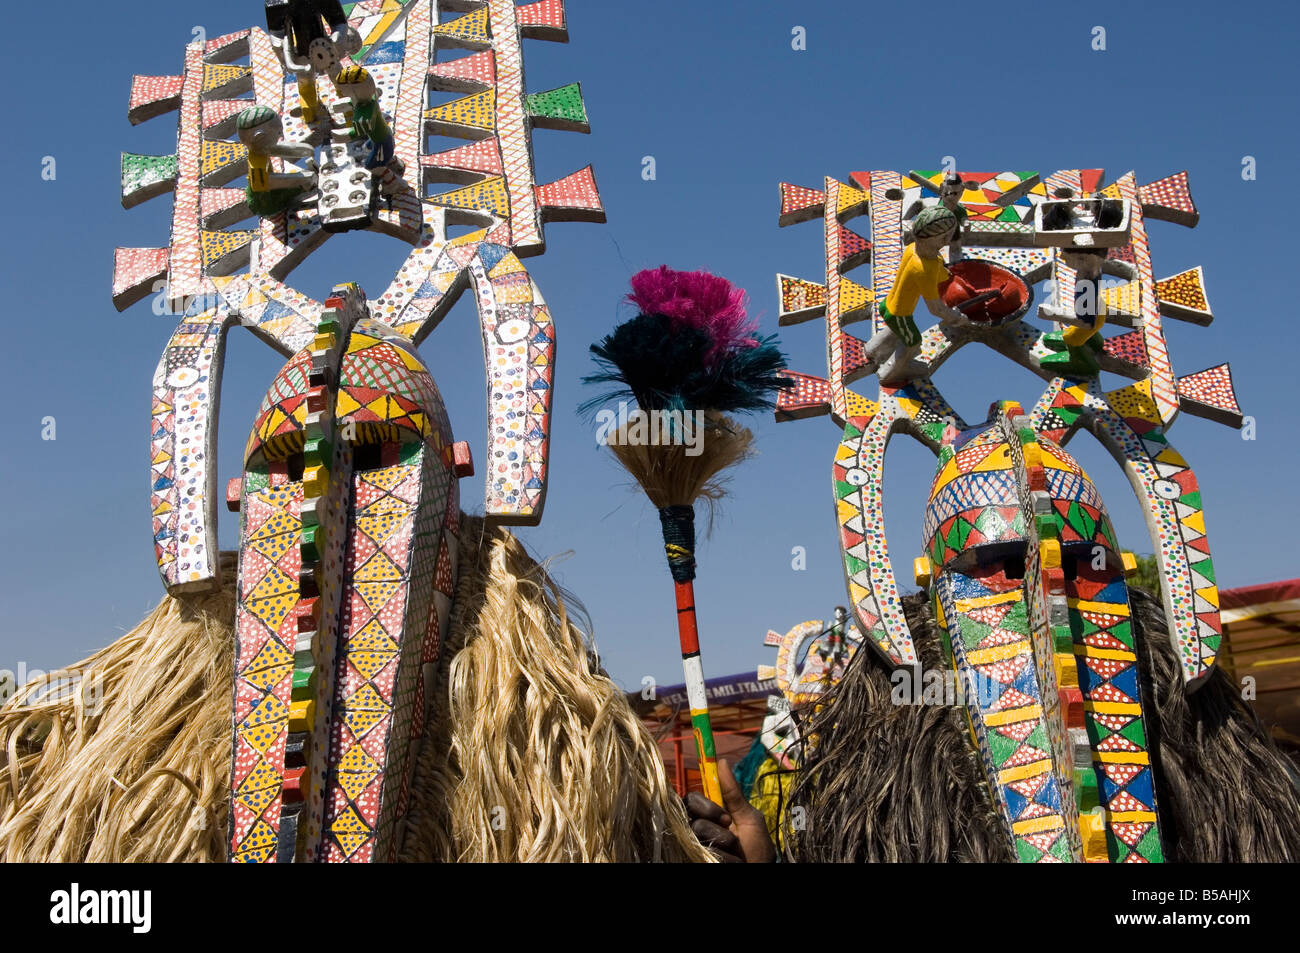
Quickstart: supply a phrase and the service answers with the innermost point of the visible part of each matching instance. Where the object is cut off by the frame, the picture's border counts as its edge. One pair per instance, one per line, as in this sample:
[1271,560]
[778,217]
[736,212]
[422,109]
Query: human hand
[735,833]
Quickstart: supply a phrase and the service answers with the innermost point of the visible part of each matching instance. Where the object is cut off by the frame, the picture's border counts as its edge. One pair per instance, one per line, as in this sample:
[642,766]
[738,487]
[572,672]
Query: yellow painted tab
[302,716]
[995,599]
[1036,825]
[1121,757]
[315,481]
[1050,549]
[922,571]
[1130,564]
[1089,651]
[1013,715]
[1108,608]
[1067,673]
[998,653]
[1022,771]
[1092,832]
[1033,456]
[1112,708]
[1131,817]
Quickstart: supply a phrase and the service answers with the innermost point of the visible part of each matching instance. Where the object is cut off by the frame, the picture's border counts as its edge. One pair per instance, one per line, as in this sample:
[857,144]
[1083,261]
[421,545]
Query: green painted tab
[318,452]
[1086,792]
[311,536]
[144,173]
[704,735]
[564,104]
[304,684]
[1063,639]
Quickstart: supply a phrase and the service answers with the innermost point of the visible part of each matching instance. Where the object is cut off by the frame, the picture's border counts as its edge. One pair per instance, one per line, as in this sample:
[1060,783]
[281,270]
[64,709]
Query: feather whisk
[688,358]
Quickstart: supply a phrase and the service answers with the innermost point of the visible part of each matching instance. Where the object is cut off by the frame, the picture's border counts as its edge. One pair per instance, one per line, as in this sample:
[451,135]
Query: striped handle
[688,632]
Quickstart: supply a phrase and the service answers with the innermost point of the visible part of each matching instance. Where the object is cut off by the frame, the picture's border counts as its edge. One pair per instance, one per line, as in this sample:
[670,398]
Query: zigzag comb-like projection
[224,267]
[1070,670]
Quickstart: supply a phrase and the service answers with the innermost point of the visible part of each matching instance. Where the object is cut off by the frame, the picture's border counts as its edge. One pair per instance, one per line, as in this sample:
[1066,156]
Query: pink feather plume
[697,299]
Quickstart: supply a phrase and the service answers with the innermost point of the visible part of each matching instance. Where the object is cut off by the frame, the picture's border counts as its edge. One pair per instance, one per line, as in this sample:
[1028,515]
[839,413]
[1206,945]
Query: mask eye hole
[1013,566]
[367,456]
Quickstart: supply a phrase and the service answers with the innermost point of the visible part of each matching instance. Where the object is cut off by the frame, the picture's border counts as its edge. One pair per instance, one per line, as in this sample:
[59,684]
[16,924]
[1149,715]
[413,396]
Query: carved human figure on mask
[308,49]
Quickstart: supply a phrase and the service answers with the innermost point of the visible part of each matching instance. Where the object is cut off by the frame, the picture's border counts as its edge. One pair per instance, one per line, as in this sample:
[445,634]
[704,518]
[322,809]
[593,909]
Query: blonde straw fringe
[126,756]
[536,755]
[670,476]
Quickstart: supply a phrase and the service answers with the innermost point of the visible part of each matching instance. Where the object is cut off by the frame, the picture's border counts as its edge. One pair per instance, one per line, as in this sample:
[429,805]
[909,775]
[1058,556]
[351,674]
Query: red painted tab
[687,628]
[295,786]
[234,491]
[307,615]
[334,304]
[318,400]
[462,459]
[1071,707]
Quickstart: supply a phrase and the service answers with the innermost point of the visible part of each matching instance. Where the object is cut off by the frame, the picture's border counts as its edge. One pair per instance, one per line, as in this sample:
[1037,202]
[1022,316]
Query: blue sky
[715,92]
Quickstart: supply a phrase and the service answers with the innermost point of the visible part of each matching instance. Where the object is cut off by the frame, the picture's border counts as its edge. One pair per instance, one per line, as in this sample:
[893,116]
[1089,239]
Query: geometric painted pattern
[1210,393]
[238,273]
[266,630]
[989,635]
[1131,420]
[347,565]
